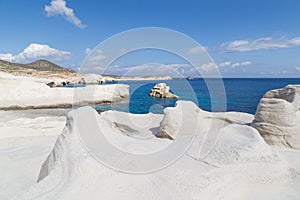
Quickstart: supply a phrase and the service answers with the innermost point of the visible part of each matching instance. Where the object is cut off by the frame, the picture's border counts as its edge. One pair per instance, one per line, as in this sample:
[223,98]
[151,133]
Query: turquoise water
[241,95]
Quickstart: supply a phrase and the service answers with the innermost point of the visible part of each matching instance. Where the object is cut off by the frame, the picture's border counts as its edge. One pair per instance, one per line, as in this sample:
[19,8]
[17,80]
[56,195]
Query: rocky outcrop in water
[161,90]
[278,116]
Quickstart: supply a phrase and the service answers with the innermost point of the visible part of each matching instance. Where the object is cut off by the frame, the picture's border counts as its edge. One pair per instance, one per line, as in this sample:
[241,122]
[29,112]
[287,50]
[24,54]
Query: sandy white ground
[240,166]
[26,138]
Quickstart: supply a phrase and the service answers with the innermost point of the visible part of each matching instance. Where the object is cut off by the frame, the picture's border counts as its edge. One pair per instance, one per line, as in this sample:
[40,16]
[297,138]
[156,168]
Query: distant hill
[40,65]
[45,65]
[42,68]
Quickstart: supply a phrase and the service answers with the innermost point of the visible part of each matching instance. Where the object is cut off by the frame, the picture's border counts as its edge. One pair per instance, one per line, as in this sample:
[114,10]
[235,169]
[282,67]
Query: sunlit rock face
[161,90]
[278,116]
[19,92]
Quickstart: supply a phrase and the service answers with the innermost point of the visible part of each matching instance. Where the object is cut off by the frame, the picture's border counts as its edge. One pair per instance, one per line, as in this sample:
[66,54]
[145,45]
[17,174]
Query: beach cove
[47,153]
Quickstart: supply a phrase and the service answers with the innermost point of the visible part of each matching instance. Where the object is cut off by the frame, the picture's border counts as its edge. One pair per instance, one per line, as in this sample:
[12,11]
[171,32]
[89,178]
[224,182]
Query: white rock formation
[85,79]
[22,92]
[26,138]
[239,157]
[232,145]
[161,90]
[79,79]
[225,159]
[220,138]
[278,117]
[175,123]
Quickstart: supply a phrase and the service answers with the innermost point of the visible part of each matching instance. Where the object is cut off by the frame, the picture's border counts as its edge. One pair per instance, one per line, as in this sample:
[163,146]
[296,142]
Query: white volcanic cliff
[25,92]
[278,117]
[238,157]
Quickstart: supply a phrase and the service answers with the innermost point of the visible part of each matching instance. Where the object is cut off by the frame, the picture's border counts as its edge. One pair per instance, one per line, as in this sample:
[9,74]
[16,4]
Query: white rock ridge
[186,119]
[85,79]
[278,117]
[26,138]
[22,92]
[239,157]
[220,138]
[234,144]
[161,90]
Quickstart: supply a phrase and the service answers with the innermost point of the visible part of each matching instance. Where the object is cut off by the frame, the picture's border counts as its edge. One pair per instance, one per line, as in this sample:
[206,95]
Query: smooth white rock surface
[278,117]
[24,92]
[175,123]
[161,90]
[26,139]
[240,159]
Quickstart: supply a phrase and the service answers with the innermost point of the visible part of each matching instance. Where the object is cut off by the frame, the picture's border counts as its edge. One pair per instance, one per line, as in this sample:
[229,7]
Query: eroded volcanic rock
[161,90]
[278,116]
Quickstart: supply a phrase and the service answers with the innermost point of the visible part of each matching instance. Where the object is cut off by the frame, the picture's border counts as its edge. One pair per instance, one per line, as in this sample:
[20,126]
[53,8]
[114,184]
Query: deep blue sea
[238,94]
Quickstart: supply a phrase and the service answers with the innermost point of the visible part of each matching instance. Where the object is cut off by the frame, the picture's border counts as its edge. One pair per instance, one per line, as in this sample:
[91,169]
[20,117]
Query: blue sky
[245,38]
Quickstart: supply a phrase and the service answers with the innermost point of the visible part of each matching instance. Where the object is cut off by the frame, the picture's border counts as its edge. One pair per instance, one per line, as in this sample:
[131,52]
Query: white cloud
[225,64]
[261,43]
[88,50]
[233,65]
[246,63]
[241,64]
[37,51]
[177,70]
[7,56]
[196,50]
[59,7]
[208,67]
[297,68]
[96,58]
